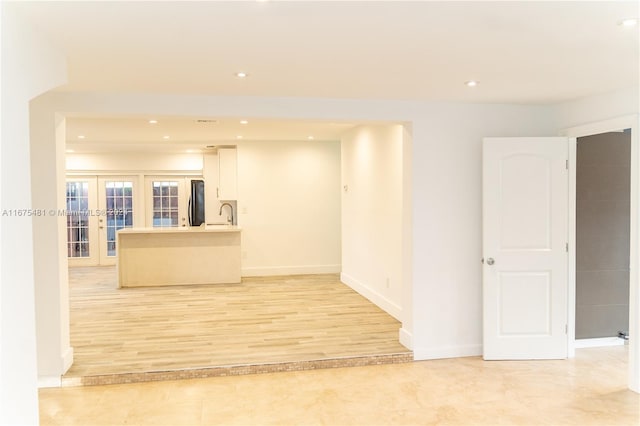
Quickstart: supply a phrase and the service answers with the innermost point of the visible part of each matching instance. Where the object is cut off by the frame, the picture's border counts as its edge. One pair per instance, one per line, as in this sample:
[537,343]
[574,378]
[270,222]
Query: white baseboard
[406,338]
[290,270]
[599,342]
[49,382]
[67,359]
[447,352]
[374,297]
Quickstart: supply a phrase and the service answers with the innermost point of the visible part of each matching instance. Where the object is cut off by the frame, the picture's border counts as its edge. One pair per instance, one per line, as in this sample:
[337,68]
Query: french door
[82,225]
[116,205]
[97,207]
[166,201]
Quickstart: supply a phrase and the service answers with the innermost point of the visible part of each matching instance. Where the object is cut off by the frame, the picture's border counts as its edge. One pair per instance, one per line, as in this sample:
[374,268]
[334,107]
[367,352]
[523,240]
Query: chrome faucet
[230,209]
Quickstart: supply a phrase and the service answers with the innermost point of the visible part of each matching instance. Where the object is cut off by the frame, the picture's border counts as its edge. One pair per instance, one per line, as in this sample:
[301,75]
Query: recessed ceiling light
[69,150]
[631,22]
[165,137]
[471,83]
[80,136]
[242,74]
[244,122]
[153,121]
[239,137]
[189,151]
[309,137]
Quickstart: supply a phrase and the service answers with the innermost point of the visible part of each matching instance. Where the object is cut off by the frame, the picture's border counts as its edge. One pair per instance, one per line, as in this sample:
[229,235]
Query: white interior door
[525,235]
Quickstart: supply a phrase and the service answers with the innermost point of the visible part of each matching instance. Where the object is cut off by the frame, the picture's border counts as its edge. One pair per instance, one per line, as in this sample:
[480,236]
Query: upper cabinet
[227,174]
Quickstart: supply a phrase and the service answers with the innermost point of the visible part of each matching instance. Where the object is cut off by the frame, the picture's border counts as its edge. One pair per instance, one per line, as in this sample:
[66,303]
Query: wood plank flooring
[261,320]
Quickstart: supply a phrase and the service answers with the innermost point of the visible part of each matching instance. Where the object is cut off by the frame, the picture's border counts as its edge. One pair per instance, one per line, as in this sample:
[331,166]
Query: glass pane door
[116,212]
[81,235]
[166,201]
[78,219]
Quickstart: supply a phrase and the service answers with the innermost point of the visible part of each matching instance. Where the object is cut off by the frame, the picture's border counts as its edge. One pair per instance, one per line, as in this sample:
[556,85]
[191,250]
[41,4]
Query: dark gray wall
[602,234]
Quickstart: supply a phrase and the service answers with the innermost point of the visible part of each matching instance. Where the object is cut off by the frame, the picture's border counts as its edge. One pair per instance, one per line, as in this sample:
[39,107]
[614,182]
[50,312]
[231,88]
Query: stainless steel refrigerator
[196,203]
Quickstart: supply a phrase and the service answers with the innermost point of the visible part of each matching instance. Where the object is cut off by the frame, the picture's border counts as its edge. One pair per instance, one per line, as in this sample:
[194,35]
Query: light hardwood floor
[261,320]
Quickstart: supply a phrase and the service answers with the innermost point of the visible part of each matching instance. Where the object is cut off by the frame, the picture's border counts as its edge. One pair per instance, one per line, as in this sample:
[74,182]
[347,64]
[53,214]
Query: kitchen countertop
[182,229]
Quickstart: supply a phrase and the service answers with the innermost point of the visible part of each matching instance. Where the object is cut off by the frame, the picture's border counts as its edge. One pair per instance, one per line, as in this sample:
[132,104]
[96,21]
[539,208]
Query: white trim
[406,338]
[571,240]
[599,342]
[49,382]
[267,271]
[447,352]
[374,297]
[624,122]
[67,359]
[571,261]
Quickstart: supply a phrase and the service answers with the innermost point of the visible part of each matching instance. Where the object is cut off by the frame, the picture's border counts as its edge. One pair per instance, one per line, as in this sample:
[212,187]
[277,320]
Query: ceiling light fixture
[471,83]
[310,137]
[153,121]
[631,22]
[242,74]
[165,137]
[69,151]
[244,122]
[239,137]
[80,136]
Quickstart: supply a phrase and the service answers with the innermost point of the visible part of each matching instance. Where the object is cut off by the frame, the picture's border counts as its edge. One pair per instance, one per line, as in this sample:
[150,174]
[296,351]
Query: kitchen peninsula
[178,256]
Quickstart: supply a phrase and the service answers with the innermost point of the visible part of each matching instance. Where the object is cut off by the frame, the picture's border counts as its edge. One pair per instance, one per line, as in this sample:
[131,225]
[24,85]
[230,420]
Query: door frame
[623,122]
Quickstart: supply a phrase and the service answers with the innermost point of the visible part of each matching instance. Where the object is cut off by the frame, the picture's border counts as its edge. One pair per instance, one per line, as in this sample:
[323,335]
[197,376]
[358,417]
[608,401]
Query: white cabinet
[227,174]
[220,172]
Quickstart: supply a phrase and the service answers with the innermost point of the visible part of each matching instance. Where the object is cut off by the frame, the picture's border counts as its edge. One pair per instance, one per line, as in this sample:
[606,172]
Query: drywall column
[372,214]
[55,355]
[29,67]
[406,332]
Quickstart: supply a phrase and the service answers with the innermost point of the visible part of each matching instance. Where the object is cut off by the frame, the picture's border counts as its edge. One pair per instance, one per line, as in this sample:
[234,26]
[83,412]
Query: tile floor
[587,390]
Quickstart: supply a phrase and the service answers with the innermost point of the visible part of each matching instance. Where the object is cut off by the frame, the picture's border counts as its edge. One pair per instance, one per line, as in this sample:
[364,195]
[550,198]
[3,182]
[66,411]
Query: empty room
[393,189]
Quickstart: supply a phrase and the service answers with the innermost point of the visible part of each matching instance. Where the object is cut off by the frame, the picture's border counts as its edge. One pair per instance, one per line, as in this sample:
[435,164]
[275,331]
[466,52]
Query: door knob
[490,261]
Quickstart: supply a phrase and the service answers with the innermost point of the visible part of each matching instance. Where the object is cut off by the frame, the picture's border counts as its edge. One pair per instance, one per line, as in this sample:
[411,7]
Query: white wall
[277,181]
[447,219]
[445,188]
[289,207]
[28,67]
[372,214]
[52,320]
[596,108]
[130,162]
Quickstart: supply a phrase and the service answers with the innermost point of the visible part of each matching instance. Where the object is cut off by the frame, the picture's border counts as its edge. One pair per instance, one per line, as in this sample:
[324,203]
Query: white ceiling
[137,134]
[534,52]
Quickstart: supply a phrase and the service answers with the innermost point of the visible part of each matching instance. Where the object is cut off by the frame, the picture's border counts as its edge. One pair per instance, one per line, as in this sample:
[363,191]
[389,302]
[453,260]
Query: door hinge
[566,329]
[566,164]
[566,247]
